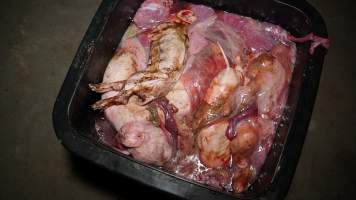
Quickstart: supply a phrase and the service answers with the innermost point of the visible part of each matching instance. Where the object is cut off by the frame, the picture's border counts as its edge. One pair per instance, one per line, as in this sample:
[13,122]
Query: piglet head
[132,134]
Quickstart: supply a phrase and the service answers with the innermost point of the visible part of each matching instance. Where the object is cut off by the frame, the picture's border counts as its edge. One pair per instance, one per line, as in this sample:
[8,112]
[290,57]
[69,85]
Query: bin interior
[81,116]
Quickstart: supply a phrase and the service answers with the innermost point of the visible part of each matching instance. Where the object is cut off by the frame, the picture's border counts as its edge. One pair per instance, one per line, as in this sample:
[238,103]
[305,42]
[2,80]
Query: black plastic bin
[73,118]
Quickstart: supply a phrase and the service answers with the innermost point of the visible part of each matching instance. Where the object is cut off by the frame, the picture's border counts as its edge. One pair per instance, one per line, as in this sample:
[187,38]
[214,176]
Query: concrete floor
[38,40]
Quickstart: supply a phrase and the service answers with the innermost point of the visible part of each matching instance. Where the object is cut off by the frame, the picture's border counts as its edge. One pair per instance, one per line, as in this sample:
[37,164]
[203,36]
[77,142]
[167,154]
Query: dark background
[38,40]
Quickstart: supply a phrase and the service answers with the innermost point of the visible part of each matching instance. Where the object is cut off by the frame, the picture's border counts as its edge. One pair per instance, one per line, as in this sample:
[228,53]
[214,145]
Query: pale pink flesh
[202,12]
[151,13]
[258,36]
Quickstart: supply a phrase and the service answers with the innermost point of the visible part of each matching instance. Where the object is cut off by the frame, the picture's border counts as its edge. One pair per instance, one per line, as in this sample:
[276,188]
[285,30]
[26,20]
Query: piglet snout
[132,134]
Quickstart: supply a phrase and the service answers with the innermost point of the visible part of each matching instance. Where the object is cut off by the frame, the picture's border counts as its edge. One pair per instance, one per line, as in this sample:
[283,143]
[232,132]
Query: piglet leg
[107,87]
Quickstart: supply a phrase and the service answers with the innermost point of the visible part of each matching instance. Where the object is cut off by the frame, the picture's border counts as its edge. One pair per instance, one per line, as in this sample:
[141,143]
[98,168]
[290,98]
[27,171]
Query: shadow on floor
[118,186]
